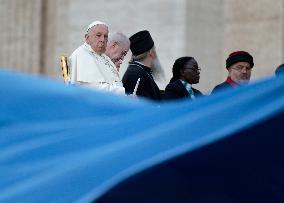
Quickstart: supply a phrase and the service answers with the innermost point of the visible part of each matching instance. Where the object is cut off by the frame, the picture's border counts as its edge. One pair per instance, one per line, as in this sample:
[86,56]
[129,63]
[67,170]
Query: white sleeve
[115,88]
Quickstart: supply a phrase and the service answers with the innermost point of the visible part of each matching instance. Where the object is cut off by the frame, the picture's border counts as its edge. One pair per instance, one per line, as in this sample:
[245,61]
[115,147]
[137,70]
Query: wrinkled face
[97,38]
[240,72]
[191,72]
[116,52]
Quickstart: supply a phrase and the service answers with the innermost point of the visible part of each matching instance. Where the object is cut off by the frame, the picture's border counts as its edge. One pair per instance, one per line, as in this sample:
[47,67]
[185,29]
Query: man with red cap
[239,65]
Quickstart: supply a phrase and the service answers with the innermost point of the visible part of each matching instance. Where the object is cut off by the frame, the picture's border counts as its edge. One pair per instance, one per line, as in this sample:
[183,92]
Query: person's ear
[87,38]
[152,53]
[114,44]
[149,54]
[230,69]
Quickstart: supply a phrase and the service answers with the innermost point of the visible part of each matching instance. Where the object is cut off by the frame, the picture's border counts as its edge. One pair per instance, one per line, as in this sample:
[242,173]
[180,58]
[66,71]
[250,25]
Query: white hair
[118,37]
[139,57]
[156,67]
[158,71]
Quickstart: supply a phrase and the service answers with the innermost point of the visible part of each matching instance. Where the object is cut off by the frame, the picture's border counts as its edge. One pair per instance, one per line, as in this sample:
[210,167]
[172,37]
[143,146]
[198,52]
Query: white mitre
[96,23]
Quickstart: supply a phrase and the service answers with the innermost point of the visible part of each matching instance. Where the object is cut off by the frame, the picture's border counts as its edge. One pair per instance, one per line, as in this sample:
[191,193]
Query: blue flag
[66,144]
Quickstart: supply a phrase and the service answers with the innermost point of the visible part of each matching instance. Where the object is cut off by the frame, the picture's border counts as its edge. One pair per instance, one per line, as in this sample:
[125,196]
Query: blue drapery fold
[67,144]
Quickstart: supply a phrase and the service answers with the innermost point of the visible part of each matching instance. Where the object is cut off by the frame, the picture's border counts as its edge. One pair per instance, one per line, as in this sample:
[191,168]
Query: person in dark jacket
[138,79]
[239,65]
[186,72]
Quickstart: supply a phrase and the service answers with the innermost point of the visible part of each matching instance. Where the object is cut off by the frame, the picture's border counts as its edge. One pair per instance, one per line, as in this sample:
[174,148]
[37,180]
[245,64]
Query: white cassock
[92,70]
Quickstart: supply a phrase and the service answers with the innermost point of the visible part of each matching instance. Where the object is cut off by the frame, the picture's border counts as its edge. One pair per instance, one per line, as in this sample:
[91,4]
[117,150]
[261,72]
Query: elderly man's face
[240,72]
[97,38]
[116,52]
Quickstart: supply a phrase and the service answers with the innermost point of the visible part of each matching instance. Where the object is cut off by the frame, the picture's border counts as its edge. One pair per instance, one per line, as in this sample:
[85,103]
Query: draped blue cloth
[66,144]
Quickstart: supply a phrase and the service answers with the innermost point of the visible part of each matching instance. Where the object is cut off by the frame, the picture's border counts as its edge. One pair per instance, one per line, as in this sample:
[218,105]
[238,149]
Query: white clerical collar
[90,49]
[139,63]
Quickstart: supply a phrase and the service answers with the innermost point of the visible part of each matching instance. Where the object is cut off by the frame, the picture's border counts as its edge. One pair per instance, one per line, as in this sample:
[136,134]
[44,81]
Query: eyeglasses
[193,69]
[241,68]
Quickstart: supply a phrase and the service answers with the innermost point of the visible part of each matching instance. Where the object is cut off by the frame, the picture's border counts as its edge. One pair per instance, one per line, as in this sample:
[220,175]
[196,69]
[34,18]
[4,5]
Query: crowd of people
[96,64]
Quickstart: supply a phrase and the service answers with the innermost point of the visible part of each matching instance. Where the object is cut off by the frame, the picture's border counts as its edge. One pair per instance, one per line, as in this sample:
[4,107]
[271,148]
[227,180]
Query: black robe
[222,86]
[147,86]
[176,90]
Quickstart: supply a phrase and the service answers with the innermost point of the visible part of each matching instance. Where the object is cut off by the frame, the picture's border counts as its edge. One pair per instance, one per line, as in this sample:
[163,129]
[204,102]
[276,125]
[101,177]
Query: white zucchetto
[95,23]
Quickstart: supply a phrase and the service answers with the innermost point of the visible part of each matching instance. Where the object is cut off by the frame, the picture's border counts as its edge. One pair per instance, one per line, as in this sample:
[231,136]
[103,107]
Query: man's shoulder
[197,92]
[175,84]
[178,83]
[221,86]
[169,86]
[79,51]
[135,71]
[135,68]
[175,90]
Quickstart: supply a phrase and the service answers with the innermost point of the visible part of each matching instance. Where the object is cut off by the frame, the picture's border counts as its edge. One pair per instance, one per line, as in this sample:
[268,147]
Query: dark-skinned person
[186,72]
[239,65]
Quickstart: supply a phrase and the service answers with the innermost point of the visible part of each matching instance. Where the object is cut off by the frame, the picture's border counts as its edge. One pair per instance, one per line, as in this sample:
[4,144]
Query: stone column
[20,34]
[54,35]
[258,28]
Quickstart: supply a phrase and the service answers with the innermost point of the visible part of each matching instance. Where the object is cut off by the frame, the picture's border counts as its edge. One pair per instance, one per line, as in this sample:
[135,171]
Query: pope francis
[90,67]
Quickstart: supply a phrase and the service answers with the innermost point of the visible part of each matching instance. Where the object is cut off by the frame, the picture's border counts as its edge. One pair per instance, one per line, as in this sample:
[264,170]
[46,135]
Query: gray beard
[244,82]
[157,71]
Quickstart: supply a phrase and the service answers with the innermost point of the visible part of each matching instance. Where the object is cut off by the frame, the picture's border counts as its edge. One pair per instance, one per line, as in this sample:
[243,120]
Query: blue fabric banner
[67,144]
